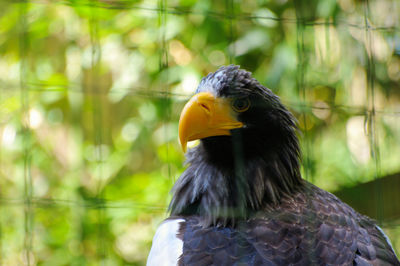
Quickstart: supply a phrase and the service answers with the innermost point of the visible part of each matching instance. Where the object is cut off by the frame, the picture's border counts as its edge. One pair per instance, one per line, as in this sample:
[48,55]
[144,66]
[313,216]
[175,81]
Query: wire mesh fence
[91,93]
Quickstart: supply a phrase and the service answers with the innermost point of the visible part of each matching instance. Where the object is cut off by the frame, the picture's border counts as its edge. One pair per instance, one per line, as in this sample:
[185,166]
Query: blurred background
[91,92]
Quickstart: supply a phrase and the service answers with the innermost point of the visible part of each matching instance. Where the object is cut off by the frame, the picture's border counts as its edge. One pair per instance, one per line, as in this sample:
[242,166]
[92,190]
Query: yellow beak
[205,116]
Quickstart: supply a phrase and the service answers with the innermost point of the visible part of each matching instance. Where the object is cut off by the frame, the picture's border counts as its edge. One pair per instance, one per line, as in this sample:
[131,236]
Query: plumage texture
[312,227]
[243,200]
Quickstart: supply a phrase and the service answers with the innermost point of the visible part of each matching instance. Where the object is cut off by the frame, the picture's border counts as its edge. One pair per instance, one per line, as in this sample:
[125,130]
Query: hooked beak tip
[184,146]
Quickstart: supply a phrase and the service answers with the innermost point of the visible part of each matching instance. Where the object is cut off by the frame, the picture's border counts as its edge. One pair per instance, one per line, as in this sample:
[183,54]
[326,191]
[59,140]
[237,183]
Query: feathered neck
[227,181]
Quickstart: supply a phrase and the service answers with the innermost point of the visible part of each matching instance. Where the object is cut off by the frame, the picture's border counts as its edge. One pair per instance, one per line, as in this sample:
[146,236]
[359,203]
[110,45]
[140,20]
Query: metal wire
[97,118]
[372,132]
[28,189]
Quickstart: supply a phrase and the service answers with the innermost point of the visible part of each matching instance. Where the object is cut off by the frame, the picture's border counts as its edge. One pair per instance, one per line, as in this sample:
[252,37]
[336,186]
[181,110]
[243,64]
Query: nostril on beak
[205,107]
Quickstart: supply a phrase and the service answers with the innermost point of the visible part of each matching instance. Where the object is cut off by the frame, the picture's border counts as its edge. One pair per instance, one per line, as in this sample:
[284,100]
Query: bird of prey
[242,200]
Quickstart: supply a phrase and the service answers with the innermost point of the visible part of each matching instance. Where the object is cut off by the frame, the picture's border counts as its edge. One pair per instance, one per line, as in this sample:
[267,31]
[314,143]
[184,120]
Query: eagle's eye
[241,104]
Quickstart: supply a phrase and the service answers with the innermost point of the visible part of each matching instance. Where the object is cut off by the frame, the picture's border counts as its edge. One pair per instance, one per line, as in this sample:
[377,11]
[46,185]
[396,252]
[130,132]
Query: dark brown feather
[303,230]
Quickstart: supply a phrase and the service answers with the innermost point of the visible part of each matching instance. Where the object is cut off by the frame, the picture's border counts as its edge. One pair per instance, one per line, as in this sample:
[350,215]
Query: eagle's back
[312,227]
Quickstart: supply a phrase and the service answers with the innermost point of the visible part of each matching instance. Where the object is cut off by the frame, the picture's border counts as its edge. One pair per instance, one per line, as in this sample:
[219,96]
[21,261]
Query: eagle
[242,200]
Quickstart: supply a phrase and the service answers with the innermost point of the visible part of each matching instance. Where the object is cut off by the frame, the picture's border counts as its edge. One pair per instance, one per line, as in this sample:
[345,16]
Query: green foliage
[91,93]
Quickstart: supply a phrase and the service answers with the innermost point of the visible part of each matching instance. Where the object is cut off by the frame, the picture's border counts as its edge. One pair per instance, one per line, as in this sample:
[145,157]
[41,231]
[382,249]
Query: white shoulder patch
[166,247]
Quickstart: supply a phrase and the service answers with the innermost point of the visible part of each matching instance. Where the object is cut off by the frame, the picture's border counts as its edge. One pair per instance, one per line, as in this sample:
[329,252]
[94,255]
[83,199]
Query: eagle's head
[248,156]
